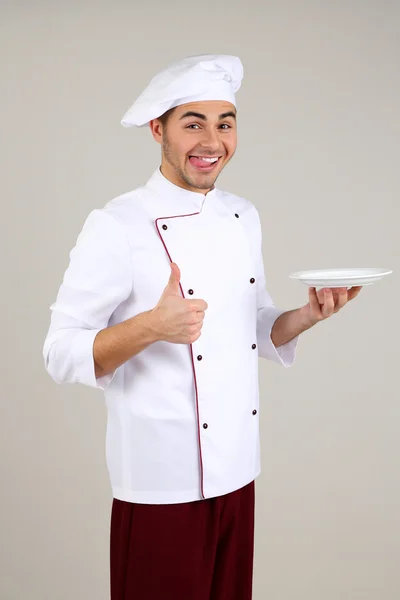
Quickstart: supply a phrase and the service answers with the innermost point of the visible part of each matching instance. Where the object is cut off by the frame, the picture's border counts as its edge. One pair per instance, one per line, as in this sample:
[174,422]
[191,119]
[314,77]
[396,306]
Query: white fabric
[118,269]
[195,78]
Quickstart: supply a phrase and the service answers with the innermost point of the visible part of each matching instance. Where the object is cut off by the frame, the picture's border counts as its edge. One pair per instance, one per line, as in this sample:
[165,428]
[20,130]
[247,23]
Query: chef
[164,306]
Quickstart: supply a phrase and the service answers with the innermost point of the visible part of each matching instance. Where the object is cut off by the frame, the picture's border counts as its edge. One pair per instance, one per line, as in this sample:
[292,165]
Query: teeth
[210,160]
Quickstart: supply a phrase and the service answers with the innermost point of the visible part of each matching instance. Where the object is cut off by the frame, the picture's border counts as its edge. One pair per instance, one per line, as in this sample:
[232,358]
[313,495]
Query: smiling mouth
[204,163]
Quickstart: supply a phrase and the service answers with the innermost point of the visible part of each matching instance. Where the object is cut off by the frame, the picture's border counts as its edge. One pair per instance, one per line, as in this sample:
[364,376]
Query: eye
[224,125]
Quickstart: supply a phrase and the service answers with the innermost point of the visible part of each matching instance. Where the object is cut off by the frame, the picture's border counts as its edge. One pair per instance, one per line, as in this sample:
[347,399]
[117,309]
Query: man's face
[195,131]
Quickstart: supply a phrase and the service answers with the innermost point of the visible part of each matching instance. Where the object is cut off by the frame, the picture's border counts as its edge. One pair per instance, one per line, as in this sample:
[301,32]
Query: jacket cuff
[285,354]
[82,351]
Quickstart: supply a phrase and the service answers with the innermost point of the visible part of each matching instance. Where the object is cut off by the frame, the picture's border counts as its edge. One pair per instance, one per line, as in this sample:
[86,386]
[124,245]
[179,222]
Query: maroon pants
[199,550]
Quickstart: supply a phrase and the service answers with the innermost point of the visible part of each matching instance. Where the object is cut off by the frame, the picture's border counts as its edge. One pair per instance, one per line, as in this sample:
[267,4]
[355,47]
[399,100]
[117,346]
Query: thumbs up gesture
[176,319]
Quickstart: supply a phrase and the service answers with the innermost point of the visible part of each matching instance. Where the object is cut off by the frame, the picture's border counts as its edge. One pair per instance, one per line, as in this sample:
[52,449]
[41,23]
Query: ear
[156,129]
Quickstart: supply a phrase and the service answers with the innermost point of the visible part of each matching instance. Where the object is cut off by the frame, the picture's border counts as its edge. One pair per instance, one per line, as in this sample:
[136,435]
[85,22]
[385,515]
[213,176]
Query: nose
[210,142]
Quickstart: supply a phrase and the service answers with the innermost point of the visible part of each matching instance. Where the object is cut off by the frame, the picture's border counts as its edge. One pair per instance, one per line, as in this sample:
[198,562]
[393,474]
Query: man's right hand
[176,319]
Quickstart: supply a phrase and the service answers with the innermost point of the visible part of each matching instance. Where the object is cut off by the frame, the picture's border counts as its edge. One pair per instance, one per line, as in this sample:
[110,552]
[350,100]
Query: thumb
[174,279]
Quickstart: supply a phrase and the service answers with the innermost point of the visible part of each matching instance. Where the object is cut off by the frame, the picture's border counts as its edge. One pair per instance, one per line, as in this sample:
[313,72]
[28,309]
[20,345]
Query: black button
[205,426]
[199,357]
[236,215]
[254,346]
[164,227]
[190,292]
[252,280]
[254,412]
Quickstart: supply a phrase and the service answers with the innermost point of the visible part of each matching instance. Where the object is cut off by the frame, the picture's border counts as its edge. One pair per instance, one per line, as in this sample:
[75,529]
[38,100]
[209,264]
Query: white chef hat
[192,79]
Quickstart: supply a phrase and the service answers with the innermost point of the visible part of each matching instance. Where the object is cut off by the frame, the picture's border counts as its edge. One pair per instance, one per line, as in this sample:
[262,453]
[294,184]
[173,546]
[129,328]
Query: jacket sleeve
[97,280]
[267,313]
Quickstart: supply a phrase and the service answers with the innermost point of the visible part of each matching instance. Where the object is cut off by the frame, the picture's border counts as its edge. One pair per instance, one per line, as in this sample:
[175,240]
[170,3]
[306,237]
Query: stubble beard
[205,184]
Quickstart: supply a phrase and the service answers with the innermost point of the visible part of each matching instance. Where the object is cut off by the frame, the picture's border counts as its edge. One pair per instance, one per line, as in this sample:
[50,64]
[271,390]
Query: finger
[340,298]
[314,303]
[321,294]
[197,304]
[175,273]
[329,303]
[172,286]
[354,291]
[198,318]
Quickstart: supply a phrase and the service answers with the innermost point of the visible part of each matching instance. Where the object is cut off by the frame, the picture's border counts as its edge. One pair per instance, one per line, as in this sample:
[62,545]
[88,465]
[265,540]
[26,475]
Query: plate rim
[309,274]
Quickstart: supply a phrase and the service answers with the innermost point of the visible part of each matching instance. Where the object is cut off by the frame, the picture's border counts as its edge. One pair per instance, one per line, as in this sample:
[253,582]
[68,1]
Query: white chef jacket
[182,419]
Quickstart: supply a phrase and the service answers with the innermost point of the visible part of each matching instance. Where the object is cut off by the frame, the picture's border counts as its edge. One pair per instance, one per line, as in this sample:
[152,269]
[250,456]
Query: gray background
[318,154]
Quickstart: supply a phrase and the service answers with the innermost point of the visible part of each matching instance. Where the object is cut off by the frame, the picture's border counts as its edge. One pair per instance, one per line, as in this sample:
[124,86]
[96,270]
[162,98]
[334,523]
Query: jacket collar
[178,198]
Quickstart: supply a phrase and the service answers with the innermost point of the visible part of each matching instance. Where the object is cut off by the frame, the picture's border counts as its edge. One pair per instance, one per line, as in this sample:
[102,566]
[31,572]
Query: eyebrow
[191,113]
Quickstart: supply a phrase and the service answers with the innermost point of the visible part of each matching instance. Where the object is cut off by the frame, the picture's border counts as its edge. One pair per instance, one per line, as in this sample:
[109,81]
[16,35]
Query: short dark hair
[164,118]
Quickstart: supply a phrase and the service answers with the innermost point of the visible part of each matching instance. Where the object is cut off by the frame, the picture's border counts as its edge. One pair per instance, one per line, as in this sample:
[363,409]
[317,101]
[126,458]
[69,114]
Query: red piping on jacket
[191,355]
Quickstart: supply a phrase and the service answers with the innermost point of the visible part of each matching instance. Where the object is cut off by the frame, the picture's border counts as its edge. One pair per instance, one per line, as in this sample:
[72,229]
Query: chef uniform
[182,442]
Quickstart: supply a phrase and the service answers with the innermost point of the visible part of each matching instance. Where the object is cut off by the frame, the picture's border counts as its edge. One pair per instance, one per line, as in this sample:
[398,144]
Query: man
[164,307]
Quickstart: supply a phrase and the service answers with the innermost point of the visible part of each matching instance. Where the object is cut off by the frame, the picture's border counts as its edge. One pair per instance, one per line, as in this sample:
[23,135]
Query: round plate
[333,278]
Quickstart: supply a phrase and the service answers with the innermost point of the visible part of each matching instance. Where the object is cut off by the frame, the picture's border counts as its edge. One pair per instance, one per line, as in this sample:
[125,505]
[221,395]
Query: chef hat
[192,79]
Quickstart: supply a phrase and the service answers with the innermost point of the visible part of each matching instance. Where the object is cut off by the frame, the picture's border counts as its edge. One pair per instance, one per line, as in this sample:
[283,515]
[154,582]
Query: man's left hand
[326,302]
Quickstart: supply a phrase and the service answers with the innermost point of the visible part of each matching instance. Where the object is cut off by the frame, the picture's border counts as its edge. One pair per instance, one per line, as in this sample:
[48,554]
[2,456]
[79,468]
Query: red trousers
[199,550]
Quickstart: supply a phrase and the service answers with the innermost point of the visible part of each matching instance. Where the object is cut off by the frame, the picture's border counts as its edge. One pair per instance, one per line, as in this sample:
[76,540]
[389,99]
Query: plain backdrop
[318,154]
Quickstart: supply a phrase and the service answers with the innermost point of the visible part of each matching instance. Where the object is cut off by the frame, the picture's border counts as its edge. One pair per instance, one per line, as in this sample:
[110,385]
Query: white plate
[331,278]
